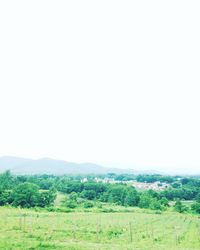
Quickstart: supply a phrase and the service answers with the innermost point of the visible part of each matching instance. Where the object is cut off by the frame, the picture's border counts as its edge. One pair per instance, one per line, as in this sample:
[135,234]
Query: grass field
[27,229]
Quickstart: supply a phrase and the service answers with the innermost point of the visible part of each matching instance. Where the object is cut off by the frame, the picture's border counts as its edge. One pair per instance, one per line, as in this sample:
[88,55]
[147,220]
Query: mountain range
[23,166]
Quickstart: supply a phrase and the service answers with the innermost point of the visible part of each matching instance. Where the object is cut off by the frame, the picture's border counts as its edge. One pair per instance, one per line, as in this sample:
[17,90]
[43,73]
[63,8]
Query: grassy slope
[100,231]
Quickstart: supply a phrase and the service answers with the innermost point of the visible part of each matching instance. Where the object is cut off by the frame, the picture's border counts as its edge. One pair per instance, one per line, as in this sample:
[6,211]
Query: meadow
[134,229]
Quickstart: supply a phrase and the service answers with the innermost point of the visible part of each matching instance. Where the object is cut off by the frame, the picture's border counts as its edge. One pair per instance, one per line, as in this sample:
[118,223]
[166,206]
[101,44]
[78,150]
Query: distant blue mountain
[22,166]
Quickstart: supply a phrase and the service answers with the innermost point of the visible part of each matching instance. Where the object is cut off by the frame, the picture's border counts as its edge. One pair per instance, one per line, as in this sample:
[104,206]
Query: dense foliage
[16,192]
[32,191]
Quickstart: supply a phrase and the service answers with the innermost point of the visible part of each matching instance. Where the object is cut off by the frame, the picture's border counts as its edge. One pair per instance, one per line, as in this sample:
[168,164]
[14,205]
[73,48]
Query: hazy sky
[111,82]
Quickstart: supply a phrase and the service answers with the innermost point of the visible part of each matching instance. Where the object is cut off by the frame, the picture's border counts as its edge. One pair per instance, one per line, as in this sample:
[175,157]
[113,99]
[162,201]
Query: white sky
[111,82]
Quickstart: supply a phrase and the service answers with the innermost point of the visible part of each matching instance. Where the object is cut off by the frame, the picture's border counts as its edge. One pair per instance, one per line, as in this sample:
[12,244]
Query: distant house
[157,186]
[84,180]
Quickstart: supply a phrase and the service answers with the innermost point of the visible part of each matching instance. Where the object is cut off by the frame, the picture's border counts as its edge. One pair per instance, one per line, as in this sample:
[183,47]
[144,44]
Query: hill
[19,165]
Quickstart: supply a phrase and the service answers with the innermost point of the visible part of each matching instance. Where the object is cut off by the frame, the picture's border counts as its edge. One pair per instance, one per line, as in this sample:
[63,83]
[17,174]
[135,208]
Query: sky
[110,82]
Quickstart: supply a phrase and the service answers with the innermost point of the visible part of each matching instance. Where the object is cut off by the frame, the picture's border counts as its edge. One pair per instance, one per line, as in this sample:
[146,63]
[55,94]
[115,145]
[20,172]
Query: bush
[196,207]
[155,204]
[89,194]
[70,204]
[179,207]
[108,210]
[88,204]
[99,205]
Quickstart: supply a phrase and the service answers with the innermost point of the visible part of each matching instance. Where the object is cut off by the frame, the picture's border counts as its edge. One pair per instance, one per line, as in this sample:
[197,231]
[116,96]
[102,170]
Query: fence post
[131,232]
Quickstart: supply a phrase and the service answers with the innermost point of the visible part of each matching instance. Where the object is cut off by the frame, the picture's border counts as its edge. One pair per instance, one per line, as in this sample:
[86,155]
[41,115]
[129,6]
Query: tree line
[33,191]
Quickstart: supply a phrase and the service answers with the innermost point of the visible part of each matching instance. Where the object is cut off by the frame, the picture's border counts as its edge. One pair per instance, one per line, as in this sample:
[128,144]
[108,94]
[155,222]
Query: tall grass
[28,229]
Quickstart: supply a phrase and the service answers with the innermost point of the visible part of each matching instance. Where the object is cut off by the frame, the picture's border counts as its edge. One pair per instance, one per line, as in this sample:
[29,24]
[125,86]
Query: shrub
[70,204]
[179,207]
[88,204]
[196,207]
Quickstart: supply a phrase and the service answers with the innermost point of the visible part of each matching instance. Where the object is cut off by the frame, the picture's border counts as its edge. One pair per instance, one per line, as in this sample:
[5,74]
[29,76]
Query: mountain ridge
[19,165]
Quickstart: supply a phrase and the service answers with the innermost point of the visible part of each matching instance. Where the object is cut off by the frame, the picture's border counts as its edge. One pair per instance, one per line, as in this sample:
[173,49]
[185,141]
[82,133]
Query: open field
[27,229]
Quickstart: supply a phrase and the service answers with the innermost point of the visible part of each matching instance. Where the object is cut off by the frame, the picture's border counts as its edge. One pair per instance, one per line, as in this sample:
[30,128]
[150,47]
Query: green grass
[138,229]
[59,198]
[188,203]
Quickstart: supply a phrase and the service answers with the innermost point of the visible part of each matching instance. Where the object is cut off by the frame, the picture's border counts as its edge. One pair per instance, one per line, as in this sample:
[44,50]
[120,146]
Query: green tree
[145,200]
[131,198]
[179,207]
[89,194]
[6,197]
[88,204]
[6,180]
[70,204]
[46,198]
[196,207]
[155,204]
[26,195]
[164,201]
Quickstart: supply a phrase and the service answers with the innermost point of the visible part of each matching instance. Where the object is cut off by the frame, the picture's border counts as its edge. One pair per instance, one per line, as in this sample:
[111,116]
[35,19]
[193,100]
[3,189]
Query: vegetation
[139,229]
[64,212]
[40,191]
